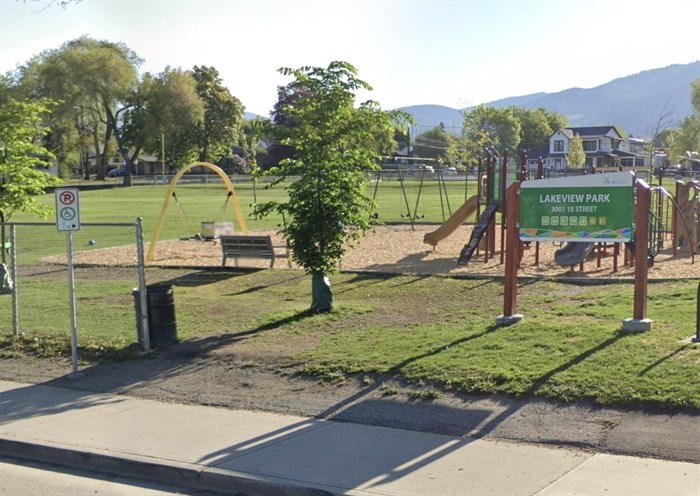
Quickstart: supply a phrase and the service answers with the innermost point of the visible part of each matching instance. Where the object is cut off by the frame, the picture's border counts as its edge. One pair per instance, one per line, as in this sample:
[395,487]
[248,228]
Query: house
[604,146]
[690,161]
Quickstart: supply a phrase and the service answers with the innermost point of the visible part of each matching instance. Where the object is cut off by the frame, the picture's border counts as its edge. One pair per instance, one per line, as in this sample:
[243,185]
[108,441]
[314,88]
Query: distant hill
[632,103]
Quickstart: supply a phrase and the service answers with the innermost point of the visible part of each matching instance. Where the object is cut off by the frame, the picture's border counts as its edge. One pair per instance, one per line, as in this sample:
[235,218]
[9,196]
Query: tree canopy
[89,79]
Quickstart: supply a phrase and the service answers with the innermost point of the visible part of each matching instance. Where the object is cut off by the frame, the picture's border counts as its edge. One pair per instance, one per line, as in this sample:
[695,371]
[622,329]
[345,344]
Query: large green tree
[484,127]
[221,126]
[91,79]
[335,145]
[163,105]
[536,126]
[22,158]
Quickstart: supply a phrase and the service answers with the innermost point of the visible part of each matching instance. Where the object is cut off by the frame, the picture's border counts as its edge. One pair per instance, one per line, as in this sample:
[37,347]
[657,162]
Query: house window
[590,145]
[627,162]
[559,146]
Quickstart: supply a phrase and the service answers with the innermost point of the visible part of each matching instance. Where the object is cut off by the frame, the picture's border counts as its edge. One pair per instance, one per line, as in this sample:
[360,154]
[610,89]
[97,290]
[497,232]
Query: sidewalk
[258,453]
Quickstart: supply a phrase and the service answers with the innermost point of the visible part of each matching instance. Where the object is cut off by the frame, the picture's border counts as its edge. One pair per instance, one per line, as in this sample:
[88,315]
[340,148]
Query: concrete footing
[503,320]
[636,325]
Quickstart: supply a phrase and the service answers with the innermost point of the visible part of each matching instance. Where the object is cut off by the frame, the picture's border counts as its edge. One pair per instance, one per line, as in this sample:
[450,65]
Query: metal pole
[73,319]
[13,272]
[143,297]
[696,339]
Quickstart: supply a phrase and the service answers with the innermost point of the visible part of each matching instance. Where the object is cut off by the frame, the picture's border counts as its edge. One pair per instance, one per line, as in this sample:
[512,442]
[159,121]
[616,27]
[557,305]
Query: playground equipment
[687,200]
[456,220]
[231,197]
[424,171]
[573,253]
[497,175]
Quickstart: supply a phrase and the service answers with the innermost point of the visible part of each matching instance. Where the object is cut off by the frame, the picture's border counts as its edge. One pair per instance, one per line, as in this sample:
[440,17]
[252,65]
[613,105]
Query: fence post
[143,301]
[13,275]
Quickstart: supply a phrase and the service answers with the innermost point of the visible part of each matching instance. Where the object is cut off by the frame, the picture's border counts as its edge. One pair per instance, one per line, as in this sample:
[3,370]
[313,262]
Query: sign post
[68,219]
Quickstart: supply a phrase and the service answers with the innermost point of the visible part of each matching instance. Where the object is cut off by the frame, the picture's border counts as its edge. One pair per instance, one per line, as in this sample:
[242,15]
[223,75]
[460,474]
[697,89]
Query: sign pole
[71,292]
[68,219]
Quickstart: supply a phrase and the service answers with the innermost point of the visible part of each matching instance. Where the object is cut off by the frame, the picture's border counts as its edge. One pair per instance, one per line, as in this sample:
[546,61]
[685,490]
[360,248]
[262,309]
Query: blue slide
[573,253]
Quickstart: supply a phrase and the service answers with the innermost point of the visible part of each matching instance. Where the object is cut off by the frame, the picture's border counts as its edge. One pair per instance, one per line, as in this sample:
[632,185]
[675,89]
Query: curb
[170,472]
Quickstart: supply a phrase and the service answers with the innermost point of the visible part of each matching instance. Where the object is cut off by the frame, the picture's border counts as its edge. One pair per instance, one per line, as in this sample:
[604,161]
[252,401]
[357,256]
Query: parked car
[118,172]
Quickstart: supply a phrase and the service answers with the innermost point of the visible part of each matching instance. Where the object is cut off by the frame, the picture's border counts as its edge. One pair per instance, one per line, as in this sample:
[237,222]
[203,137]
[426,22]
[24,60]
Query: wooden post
[510,291]
[639,322]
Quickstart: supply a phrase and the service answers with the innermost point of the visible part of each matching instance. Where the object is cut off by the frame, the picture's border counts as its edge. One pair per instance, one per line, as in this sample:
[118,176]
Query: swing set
[402,168]
[230,198]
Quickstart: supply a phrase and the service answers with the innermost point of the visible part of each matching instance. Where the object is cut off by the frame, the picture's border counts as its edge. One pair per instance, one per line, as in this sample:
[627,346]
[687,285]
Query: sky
[452,53]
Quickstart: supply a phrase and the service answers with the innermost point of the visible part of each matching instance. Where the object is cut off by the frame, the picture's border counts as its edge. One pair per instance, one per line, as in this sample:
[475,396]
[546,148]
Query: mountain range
[633,103]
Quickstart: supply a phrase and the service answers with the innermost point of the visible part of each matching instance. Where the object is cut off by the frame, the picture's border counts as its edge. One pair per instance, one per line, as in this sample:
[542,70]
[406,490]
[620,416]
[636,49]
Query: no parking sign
[67,209]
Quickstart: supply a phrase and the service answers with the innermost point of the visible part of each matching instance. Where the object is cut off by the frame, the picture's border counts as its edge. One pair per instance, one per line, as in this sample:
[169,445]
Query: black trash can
[162,326]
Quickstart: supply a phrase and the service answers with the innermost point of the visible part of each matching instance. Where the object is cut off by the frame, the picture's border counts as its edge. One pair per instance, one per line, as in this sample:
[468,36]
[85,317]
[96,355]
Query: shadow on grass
[537,384]
[204,277]
[663,359]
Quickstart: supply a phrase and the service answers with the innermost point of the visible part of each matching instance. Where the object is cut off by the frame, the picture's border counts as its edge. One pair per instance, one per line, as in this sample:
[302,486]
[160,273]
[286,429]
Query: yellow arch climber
[169,194]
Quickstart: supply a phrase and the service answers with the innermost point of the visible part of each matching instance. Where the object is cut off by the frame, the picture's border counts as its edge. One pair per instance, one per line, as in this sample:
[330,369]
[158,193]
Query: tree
[484,127]
[90,79]
[576,157]
[22,156]
[335,145]
[536,126]
[163,105]
[687,137]
[220,128]
[432,143]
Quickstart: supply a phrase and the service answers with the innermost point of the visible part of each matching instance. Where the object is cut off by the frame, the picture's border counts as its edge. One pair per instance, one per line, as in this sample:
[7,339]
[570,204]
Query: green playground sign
[596,207]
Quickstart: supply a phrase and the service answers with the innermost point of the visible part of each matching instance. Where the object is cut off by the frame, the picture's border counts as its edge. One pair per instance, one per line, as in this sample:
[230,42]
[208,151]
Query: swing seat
[244,246]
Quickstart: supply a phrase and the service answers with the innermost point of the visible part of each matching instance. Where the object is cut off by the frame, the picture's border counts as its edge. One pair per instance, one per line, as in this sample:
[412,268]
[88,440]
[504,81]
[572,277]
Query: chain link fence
[38,287]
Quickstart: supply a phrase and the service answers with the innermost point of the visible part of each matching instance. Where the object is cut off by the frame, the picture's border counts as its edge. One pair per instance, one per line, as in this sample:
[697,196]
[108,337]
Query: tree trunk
[321,293]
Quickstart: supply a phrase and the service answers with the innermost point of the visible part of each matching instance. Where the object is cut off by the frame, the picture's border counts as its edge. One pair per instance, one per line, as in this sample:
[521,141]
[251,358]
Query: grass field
[438,331]
[197,203]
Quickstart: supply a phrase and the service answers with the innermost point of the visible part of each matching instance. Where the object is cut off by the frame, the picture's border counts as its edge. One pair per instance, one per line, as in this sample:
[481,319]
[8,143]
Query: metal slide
[478,232]
[451,224]
[573,253]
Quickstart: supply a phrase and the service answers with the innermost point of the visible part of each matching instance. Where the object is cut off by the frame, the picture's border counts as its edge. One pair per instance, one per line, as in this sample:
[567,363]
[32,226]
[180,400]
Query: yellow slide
[451,224]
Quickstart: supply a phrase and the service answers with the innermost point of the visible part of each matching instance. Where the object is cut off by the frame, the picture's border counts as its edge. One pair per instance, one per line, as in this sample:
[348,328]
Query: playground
[401,249]
[473,241]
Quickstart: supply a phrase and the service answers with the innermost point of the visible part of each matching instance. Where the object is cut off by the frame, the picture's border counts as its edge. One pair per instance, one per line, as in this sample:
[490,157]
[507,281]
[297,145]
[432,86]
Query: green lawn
[197,203]
[437,331]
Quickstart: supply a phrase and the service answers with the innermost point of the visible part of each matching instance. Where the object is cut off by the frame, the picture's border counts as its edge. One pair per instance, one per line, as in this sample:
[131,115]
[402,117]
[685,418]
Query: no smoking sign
[67,209]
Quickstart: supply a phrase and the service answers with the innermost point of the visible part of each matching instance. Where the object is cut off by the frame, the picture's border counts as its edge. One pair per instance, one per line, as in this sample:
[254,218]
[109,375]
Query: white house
[604,146]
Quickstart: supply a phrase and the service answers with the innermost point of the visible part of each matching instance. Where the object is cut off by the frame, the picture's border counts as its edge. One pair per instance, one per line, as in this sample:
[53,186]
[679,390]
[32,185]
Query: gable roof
[594,130]
[588,131]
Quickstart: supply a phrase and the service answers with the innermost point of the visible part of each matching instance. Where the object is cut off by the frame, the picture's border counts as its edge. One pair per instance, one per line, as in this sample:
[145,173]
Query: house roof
[534,153]
[570,132]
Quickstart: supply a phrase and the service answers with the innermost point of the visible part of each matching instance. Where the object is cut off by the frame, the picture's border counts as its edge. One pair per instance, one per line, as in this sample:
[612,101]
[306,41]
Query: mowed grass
[193,204]
[437,331]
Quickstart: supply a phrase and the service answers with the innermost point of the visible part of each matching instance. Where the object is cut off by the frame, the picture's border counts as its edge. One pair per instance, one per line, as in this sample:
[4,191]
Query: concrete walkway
[258,453]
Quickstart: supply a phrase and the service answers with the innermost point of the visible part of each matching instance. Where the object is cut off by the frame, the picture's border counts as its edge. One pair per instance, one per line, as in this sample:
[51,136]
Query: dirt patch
[400,249]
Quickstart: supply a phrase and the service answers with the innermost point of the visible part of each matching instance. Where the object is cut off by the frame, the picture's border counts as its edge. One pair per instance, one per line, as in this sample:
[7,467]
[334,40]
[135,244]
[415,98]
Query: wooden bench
[244,246]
